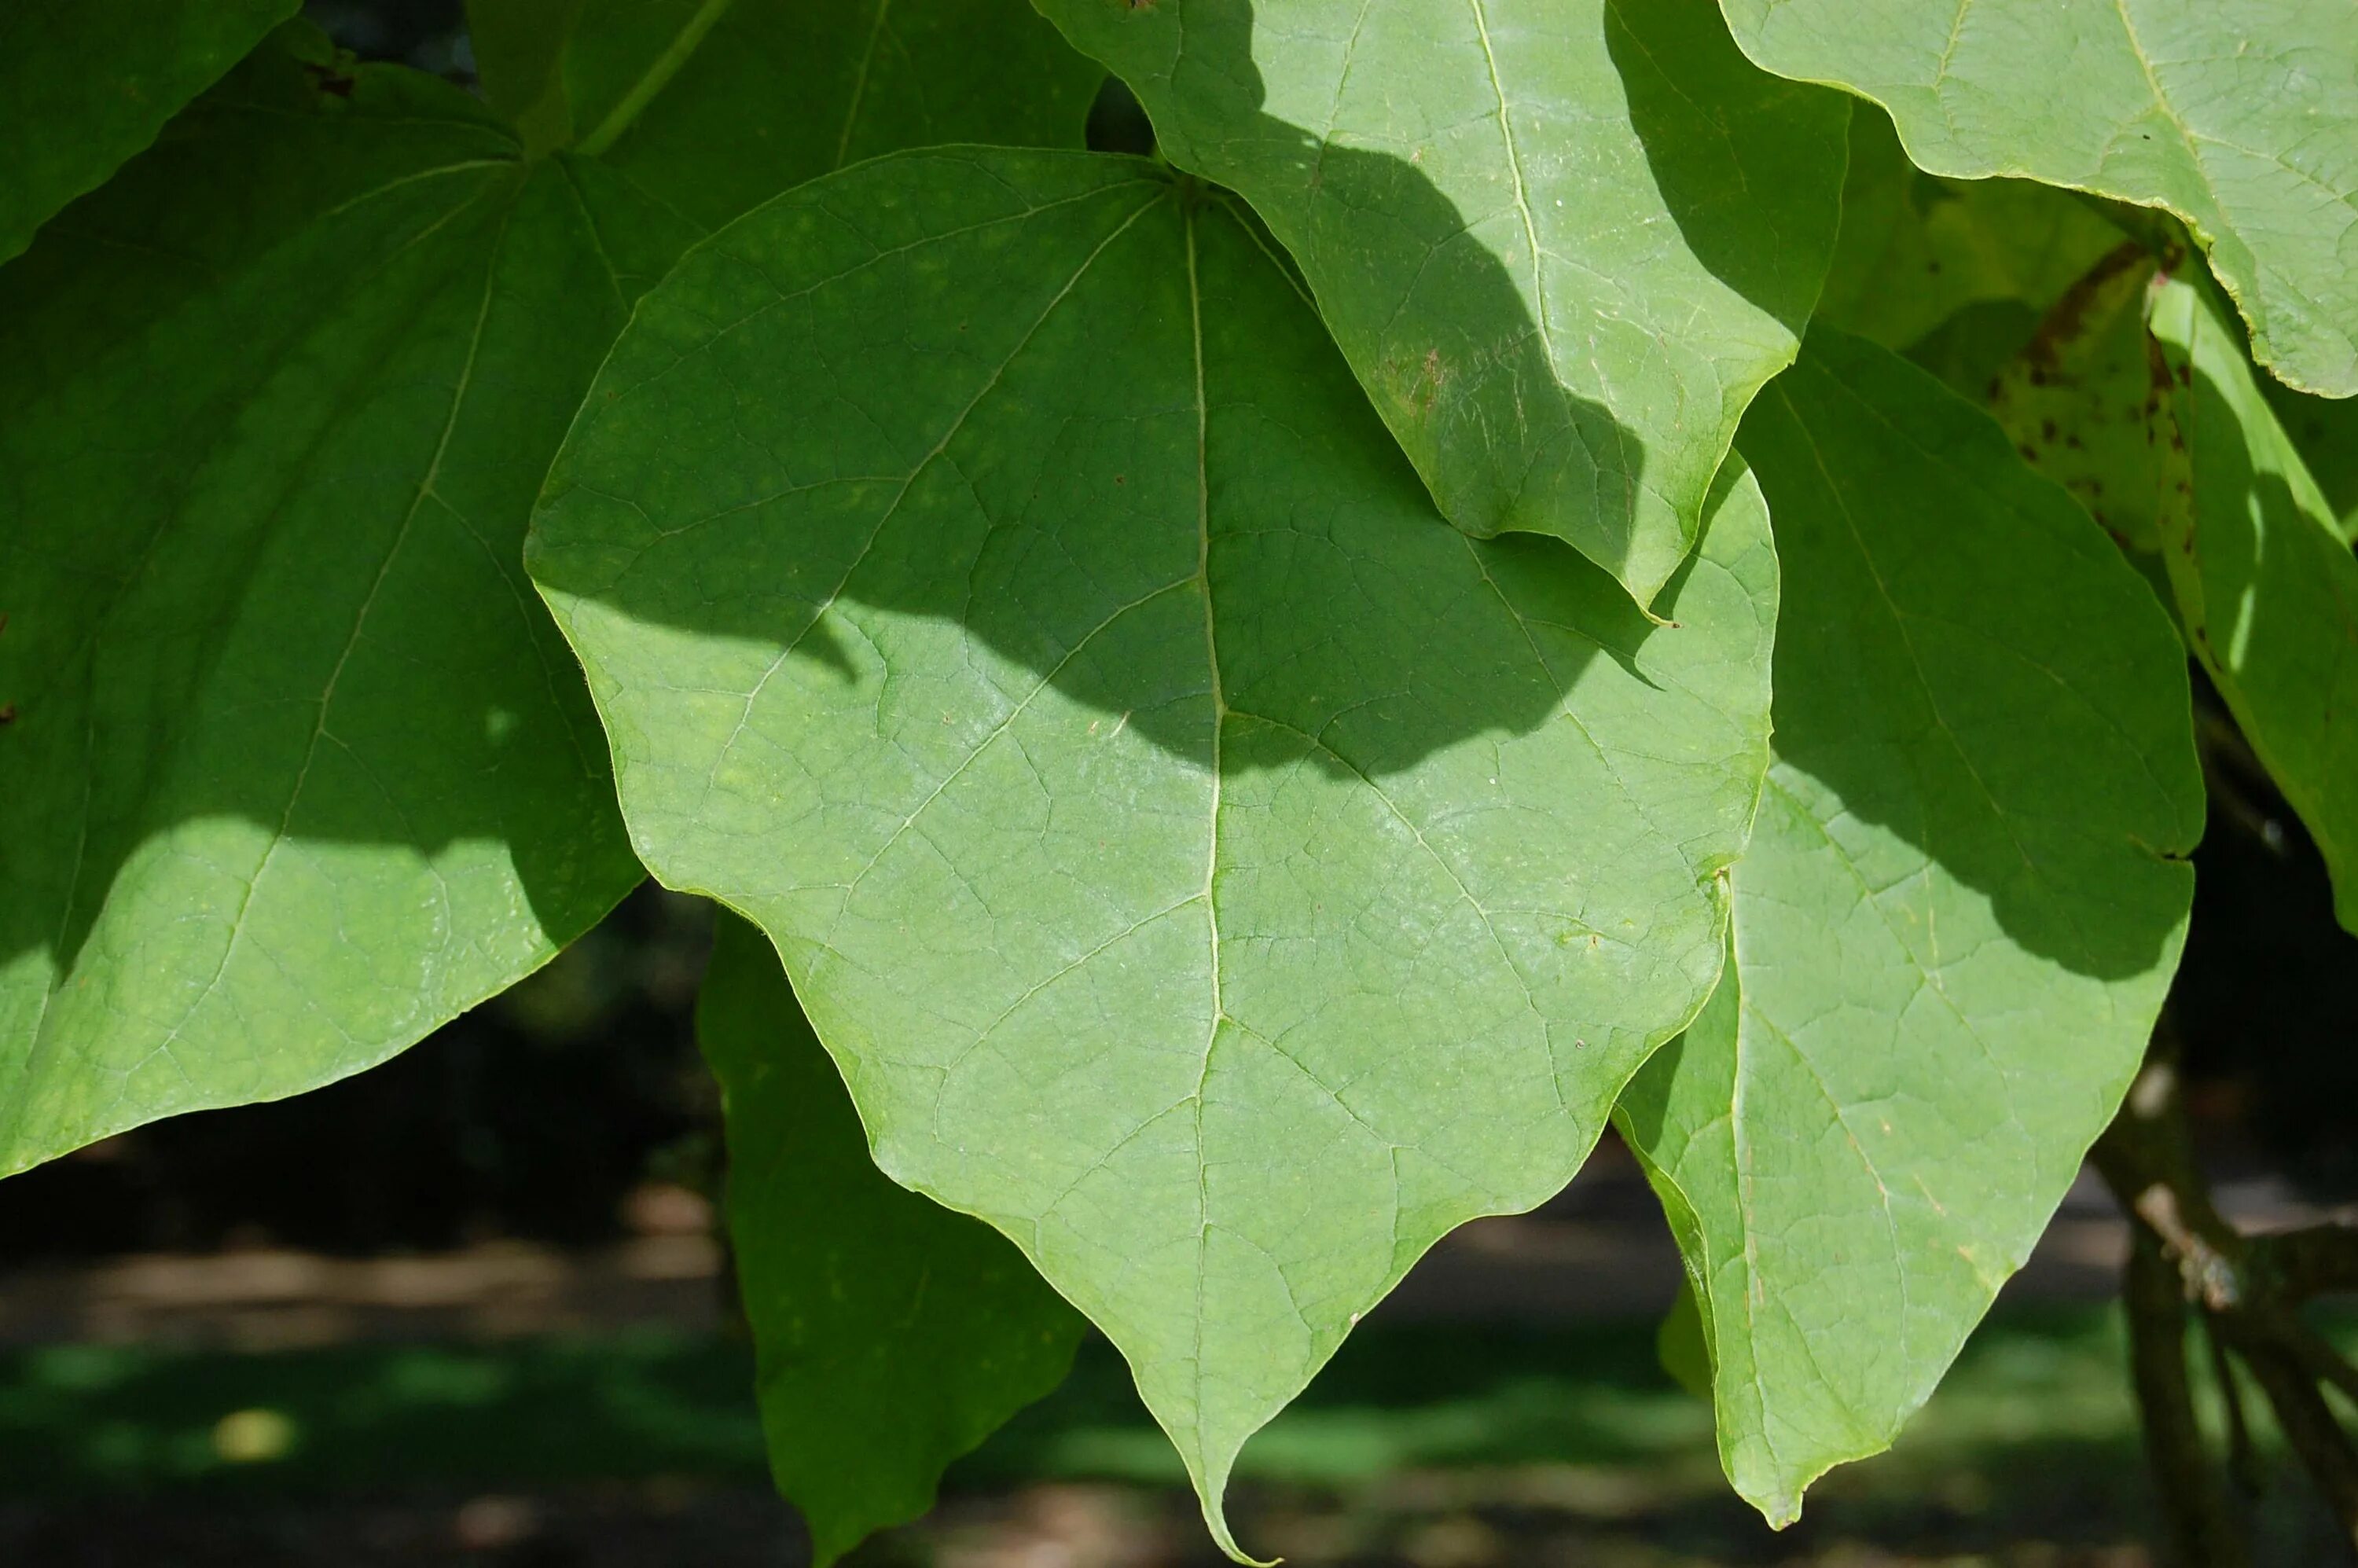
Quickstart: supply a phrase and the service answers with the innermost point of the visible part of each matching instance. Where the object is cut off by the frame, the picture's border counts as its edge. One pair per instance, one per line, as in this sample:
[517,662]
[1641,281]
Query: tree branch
[2243,1457]
[2318,1260]
[2308,1426]
[2201,1532]
[2249,1289]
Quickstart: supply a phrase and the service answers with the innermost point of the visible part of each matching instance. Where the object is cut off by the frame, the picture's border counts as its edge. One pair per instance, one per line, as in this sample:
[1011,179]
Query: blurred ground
[1438,1447]
[514,1404]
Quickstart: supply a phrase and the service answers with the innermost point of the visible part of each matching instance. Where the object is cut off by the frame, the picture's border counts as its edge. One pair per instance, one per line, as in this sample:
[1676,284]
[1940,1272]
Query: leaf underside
[2324,431]
[894,1334]
[1917,251]
[2265,584]
[2240,116]
[1954,928]
[1561,244]
[2080,403]
[1203,862]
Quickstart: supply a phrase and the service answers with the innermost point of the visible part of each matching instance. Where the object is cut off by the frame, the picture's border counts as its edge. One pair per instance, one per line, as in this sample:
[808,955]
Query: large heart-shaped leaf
[1561,241]
[1956,921]
[2240,116]
[85,84]
[894,1334]
[2265,584]
[299,768]
[1203,862]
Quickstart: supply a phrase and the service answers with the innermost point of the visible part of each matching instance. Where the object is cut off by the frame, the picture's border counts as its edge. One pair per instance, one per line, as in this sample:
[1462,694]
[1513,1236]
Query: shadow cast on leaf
[1049,422]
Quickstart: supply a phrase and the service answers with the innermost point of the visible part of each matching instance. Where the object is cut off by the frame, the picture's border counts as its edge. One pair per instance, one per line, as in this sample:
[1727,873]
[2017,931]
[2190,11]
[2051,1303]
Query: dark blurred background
[471,1307]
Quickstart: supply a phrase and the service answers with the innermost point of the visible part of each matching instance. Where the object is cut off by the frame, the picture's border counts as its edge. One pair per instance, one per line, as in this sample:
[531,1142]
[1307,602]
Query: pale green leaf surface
[1954,928]
[2240,116]
[1915,249]
[297,767]
[1561,241]
[1203,862]
[720,103]
[86,84]
[893,1335]
[2267,585]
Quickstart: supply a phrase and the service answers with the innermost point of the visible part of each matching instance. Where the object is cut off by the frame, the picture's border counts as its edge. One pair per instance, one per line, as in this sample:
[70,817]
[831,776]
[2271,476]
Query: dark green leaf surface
[1203,862]
[894,1334]
[297,767]
[519,47]
[1915,250]
[306,770]
[720,103]
[1952,930]
[2325,433]
[2267,585]
[86,84]
[1561,241]
[2240,116]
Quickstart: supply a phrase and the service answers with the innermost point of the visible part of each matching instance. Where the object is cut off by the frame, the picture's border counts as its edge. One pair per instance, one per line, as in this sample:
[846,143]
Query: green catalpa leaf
[719,105]
[2240,116]
[2267,585]
[519,46]
[1203,862]
[1954,928]
[894,1334]
[1561,241]
[1915,250]
[2081,403]
[297,767]
[2325,433]
[86,84]
[304,768]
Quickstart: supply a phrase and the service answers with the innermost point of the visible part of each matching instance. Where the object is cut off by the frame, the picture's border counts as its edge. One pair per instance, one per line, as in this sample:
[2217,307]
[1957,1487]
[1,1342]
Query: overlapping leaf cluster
[1260,694]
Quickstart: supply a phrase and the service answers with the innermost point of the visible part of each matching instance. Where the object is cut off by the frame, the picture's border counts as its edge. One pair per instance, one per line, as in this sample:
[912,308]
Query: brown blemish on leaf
[2068,319]
[1429,378]
[329,79]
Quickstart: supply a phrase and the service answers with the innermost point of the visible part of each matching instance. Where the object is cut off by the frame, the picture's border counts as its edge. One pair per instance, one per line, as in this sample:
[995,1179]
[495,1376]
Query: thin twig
[2249,1288]
[2315,1356]
[2308,1426]
[2243,1458]
[2201,1532]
